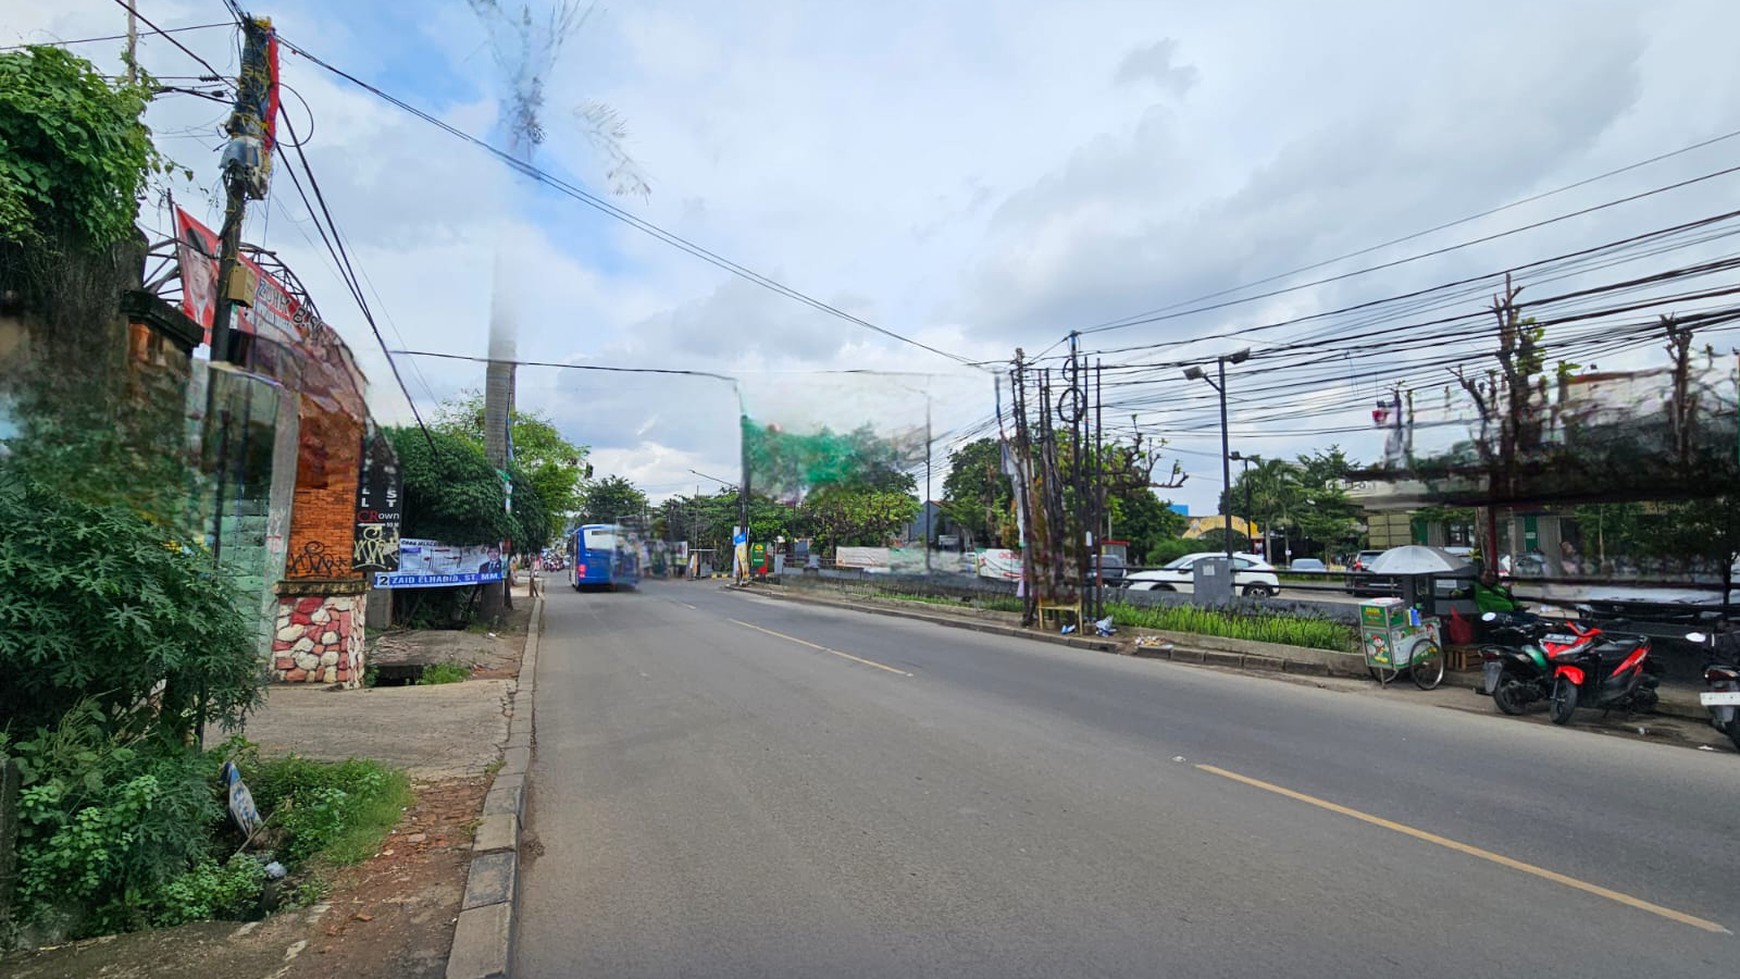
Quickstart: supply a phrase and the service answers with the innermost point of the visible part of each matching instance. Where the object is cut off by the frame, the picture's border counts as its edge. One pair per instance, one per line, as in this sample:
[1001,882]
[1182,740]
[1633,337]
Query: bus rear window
[598,539]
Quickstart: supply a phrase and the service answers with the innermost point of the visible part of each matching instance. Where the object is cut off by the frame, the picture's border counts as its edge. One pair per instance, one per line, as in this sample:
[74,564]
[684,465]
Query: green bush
[339,810]
[229,892]
[118,832]
[98,603]
[439,673]
[1294,630]
[1171,549]
[104,824]
[77,156]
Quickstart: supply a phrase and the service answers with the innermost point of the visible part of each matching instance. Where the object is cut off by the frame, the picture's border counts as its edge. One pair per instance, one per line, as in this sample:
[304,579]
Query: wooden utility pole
[1024,490]
[247,164]
[1101,525]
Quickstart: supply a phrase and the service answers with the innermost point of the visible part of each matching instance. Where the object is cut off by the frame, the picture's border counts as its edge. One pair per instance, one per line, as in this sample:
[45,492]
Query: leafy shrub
[443,673]
[454,494]
[1170,549]
[104,823]
[77,156]
[98,603]
[229,891]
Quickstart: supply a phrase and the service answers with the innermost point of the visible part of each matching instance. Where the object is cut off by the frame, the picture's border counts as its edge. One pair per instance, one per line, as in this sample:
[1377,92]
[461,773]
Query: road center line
[1474,851]
[836,652]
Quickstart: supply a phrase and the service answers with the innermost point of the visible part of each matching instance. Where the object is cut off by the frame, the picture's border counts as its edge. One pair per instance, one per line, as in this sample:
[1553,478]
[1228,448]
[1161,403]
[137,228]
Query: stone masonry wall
[319,639]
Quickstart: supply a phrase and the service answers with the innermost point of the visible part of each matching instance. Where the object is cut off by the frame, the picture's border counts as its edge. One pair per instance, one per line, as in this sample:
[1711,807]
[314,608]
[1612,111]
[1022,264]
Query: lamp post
[1196,373]
[1245,474]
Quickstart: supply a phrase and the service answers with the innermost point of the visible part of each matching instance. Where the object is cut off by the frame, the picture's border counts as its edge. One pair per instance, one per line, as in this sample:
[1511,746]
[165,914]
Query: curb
[483,935]
[994,628]
[1170,649]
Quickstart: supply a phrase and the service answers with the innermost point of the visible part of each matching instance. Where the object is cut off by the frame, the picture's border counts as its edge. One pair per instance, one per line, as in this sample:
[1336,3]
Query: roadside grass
[373,817]
[990,603]
[333,812]
[439,673]
[1293,630]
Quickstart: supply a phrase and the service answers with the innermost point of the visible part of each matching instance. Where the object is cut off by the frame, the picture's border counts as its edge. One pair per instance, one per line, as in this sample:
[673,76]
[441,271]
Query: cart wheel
[1383,674]
[1427,665]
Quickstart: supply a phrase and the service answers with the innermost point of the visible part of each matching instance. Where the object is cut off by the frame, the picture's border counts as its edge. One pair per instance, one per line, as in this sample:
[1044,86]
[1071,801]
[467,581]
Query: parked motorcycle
[1722,674]
[1515,670]
[1595,669]
[1568,663]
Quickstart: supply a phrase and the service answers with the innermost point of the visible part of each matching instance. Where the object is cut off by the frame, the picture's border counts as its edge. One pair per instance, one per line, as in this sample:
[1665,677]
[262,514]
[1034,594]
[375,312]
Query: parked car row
[1256,578]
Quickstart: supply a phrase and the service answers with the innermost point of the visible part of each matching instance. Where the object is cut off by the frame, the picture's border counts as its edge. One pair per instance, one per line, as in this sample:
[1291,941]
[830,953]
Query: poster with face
[432,564]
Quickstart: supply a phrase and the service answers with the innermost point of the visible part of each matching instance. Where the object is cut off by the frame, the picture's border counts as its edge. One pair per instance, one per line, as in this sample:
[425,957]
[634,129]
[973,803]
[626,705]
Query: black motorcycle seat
[1613,650]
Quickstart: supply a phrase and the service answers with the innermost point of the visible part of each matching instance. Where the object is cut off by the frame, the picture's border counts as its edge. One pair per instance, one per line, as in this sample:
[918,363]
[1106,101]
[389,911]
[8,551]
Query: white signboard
[432,564]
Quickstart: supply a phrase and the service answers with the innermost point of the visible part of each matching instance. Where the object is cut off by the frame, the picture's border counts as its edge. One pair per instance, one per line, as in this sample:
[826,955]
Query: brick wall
[332,421]
[317,636]
[319,639]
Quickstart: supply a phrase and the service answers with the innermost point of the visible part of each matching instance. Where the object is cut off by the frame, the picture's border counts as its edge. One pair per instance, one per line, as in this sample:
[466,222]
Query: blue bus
[603,556]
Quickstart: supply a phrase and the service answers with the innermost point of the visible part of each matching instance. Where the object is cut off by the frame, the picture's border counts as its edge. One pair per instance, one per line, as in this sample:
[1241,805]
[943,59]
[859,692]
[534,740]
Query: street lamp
[1196,373]
[1246,460]
[728,484]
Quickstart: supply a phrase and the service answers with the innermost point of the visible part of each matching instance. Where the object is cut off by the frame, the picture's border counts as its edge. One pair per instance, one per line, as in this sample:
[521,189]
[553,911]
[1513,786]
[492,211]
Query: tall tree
[1326,515]
[455,496]
[976,492]
[554,467]
[611,498]
[1144,520]
[857,517]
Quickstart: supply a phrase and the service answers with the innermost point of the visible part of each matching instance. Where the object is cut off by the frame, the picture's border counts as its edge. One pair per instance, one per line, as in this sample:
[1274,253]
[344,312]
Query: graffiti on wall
[378,496]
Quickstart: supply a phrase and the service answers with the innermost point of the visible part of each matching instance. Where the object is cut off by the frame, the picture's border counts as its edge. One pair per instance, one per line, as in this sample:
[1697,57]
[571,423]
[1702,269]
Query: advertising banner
[862,557]
[998,563]
[276,314]
[377,507]
[432,564]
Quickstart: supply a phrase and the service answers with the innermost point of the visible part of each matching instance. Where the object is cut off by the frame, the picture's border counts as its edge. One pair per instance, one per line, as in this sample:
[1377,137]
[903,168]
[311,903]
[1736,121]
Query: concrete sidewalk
[436,732]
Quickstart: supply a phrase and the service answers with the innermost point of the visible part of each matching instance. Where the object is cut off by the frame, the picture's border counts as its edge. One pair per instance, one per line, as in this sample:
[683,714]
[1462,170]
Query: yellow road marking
[1474,851]
[836,652]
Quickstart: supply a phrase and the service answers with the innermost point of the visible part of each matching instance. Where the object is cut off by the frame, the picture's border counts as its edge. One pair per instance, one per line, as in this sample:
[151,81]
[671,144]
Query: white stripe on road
[836,652]
[1474,851]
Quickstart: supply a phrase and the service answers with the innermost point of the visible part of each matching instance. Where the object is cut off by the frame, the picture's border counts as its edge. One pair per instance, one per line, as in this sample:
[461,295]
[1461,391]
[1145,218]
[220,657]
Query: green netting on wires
[789,466]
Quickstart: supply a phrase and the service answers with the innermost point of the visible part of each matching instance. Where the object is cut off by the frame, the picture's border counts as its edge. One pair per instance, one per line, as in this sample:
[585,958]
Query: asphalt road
[735,786]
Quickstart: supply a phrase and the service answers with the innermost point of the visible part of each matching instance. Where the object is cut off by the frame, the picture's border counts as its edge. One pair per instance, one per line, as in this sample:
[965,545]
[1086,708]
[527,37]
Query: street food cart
[1395,638]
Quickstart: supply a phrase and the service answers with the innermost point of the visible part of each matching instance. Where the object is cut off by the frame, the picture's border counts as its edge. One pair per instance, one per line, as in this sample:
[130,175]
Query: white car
[1252,575]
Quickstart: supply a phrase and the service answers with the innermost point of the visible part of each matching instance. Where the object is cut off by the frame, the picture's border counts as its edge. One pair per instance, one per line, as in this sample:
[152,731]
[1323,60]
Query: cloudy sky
[975,176]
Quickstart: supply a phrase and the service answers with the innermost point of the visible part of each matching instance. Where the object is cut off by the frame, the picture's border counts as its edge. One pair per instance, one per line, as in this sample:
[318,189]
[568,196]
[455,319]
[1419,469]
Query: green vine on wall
[74,155]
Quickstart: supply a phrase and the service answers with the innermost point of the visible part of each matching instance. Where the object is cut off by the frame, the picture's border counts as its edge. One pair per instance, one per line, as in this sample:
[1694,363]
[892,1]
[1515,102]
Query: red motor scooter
[1595,668]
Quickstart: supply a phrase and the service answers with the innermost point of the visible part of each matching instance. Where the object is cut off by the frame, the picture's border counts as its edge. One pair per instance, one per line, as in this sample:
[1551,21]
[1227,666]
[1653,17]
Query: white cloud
[975,177]
[1153,63]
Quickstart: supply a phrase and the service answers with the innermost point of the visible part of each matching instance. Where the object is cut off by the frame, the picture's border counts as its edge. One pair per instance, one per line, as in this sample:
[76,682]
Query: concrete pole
[1225,474]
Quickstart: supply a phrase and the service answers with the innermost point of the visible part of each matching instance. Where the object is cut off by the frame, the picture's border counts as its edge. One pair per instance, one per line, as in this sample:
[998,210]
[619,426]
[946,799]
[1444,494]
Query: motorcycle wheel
[1427,666]
[1507,696]
[1564,701]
